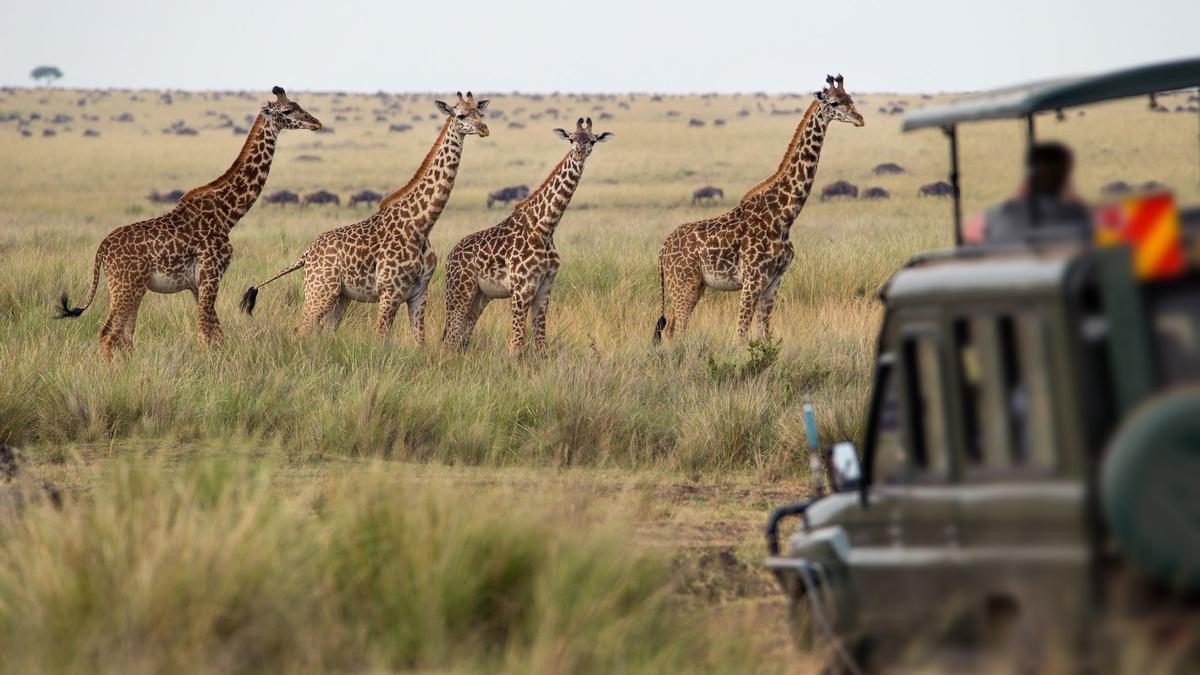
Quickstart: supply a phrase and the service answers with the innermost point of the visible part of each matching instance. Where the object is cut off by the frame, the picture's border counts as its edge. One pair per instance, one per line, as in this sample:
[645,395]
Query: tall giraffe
[387,257]
[188,247]
[747,248]
[516,258]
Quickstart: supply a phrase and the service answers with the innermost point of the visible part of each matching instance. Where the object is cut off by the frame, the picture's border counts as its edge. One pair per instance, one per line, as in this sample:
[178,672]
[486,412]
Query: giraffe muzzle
[483,131]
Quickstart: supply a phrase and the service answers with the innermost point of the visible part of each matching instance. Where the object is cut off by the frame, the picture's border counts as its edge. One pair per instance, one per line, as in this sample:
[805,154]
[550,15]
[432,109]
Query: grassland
[674,445]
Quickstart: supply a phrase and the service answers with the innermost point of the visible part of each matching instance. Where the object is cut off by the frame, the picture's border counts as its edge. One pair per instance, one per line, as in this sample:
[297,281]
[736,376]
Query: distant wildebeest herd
[387,258]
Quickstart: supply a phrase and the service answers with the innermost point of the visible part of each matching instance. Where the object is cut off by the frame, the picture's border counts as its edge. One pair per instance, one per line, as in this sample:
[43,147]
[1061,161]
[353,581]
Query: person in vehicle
[1051,213]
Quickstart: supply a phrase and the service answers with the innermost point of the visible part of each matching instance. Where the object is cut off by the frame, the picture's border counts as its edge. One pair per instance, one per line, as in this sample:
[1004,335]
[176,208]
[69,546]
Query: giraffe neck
[788,188]
[420,202]
[540,212]
[233,193]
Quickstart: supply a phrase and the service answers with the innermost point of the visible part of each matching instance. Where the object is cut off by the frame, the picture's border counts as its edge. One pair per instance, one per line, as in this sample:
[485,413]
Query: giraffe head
[467,114]
[836,104]
[583,140]
[285,113]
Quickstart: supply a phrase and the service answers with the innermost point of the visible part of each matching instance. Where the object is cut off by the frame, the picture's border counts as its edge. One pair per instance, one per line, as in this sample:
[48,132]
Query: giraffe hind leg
[333,318]
[319,301]
[684,294]
[117,330]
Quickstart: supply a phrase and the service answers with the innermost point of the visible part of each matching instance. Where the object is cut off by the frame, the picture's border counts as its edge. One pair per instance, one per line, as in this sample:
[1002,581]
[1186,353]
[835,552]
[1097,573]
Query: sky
[612,46]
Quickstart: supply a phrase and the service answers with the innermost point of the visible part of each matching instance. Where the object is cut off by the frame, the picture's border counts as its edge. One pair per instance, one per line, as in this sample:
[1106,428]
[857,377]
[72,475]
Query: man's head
[1049,166]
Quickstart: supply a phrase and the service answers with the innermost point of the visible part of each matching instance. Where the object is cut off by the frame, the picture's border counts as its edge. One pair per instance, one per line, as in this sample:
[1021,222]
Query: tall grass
[603,396]
[205,566]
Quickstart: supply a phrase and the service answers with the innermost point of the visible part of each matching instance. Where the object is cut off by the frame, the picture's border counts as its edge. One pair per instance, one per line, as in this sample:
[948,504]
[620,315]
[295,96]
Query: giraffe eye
[835,104]
[462,116]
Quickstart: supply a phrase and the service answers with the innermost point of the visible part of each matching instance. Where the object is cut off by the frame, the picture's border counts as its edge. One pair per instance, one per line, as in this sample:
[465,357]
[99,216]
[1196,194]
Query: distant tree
[47,74]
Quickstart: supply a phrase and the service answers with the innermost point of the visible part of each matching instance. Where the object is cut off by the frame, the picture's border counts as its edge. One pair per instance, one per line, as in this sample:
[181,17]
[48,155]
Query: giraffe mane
[783,164]
[242,154]
[545,183]
[421,170]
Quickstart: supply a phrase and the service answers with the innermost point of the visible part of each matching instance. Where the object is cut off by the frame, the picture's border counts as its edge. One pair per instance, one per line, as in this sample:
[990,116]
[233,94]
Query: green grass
[219,515]
[604,396]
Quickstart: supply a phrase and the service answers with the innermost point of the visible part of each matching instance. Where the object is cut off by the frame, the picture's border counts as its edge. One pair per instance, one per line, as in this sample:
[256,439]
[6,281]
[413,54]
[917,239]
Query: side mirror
[845,472]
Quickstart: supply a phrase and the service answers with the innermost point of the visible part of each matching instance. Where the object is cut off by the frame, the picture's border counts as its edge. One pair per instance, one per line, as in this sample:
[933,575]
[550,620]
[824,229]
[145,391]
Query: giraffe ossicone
[747,249]
[387,258]
[187,248]
[516,258]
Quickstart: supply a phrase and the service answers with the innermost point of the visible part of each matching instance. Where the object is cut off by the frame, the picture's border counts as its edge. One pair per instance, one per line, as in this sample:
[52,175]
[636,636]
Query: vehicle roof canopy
[979,274]
[1024,100]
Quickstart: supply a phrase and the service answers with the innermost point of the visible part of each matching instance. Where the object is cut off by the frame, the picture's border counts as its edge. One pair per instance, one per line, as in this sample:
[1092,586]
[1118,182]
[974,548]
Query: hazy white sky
[617,45]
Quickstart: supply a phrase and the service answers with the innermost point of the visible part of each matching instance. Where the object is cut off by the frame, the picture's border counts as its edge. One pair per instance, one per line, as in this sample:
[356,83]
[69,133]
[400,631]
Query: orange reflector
[1150,226]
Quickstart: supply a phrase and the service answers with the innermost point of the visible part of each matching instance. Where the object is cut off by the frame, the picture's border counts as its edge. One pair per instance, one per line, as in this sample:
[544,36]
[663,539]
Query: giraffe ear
[819,95]
[562,134]
[604,136]
[444,107]
[482,104]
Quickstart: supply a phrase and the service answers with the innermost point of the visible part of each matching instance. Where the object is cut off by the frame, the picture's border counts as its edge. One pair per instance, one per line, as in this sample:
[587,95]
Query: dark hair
[1049,166]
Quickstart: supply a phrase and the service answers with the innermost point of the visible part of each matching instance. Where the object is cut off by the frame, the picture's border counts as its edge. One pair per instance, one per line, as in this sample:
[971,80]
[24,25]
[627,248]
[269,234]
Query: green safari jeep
[1029,475]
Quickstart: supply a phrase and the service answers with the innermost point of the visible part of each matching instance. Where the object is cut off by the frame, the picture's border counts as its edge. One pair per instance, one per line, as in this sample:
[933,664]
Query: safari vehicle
[1030,465]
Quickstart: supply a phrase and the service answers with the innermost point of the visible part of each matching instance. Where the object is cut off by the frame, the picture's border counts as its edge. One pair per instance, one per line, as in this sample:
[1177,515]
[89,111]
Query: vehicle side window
[926,413]
[1025,369]
[983,373]
[891,462]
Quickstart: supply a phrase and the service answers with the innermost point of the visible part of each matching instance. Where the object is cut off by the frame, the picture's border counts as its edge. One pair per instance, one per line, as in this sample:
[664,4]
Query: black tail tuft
[64,309]
[249,299]
[658,328]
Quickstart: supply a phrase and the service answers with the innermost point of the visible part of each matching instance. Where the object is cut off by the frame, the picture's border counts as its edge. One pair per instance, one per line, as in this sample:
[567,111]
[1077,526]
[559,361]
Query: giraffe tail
[250,297]
[662,307]
[64,309]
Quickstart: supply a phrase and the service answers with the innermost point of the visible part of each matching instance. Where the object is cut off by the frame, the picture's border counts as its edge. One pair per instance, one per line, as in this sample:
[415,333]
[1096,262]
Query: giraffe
[747,249]
[188,247]
[516,258]
[387,257]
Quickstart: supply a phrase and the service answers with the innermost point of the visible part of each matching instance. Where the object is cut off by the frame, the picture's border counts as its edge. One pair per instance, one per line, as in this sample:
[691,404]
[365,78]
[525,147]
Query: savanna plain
[339,502]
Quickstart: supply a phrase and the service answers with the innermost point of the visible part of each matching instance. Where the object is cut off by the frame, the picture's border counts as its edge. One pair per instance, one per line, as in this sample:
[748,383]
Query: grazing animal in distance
[746,249]
[875,193]
[939,189]
[1117,187]
[508,194]
[281,197]
[188,247]
[387,258]
[365,197]
[516,258]
[839,188]
[887,169]
[707,192]
[170,197]
[320,198]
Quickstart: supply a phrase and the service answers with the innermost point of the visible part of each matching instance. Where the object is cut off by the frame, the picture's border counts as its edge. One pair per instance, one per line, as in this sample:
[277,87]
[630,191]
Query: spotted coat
[747,249]
[188,247]
[386,258]
[516,258]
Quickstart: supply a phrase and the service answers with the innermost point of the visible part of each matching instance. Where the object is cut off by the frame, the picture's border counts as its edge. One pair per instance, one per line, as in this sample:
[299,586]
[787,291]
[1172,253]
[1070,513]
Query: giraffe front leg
[206,315]
[208,281]
[541,303]
[389,304]
[416,316]
[416,299]
[522,300]
[766,303]
[752,290]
